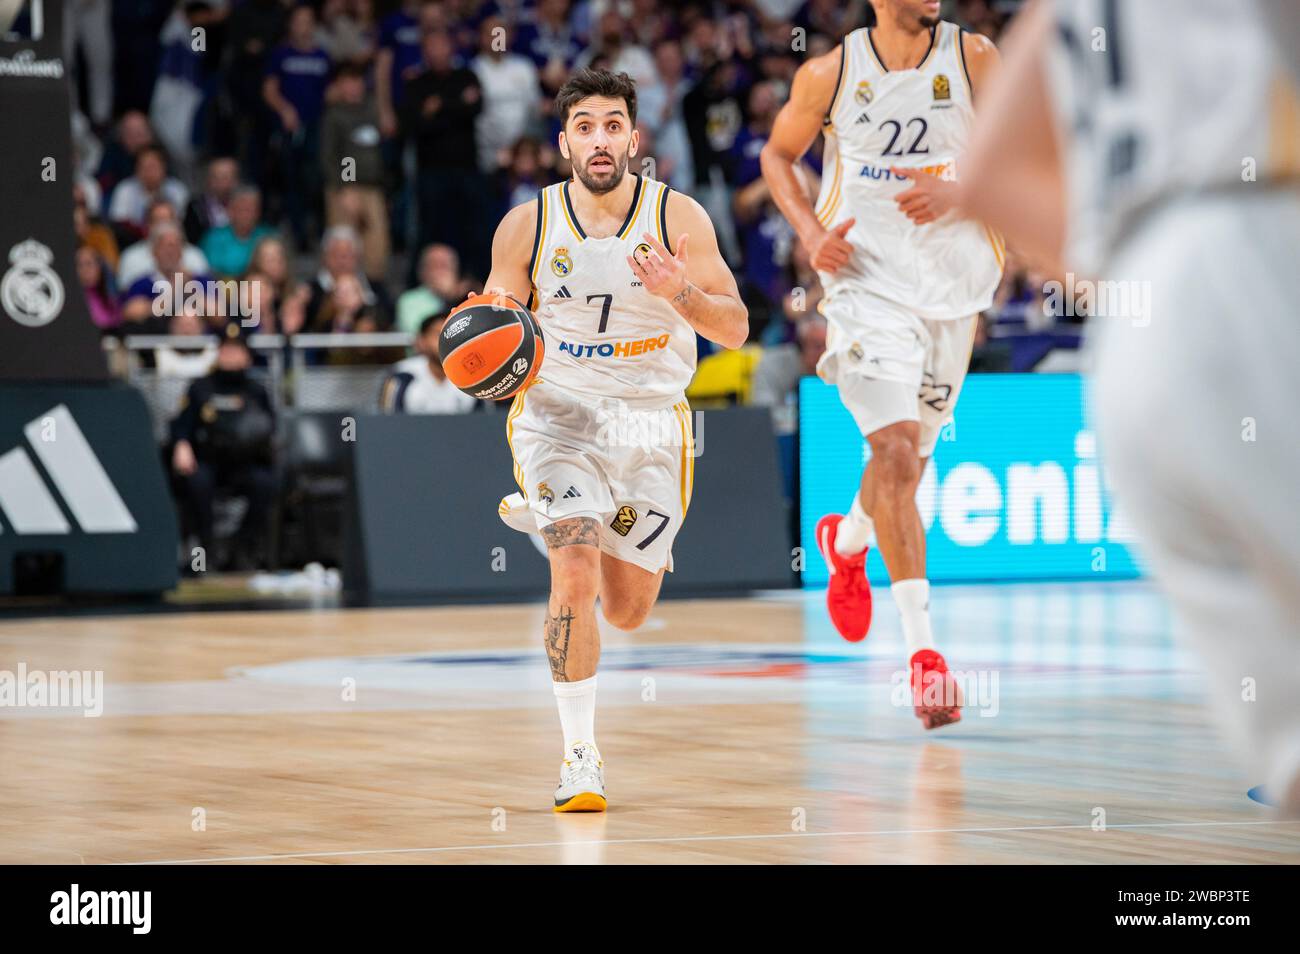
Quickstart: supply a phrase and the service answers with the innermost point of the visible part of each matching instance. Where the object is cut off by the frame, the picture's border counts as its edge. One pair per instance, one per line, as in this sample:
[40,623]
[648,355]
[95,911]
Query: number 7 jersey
[912,118]
[606,335]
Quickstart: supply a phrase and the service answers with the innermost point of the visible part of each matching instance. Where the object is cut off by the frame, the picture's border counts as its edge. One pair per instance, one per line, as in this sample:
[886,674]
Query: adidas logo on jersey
[571,493]
[864,118]
[562,292]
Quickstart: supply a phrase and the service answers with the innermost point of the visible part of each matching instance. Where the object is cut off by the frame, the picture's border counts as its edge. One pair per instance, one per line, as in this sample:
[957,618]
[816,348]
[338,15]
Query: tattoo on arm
[684,296]
[567,533]
[557,642]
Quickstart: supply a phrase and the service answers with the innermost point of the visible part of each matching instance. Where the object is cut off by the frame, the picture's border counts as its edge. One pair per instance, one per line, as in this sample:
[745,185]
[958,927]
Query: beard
[928,21]
[602,182]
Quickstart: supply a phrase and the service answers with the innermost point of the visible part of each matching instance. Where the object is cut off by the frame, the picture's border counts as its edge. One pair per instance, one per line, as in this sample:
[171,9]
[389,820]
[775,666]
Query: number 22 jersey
[912,118]
[607,336]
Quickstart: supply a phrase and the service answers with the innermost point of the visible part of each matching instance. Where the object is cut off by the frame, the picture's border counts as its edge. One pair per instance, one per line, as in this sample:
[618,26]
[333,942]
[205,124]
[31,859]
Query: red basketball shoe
[935,692]
[848,594]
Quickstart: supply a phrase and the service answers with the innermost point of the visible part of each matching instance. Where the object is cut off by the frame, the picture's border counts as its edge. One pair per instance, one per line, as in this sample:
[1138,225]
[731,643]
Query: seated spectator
[353,167]
[187,362]
[207,210]
[137,260]
[133,196]
[229,247]
[341,256]
[92,232]
[776,380]
[153,296]
[441,288]
[417,385]
[96,282]
[133,134]
[222,442]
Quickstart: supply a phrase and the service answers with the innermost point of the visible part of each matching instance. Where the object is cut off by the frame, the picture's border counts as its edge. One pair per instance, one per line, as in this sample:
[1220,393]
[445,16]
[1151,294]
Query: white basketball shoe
[582,781]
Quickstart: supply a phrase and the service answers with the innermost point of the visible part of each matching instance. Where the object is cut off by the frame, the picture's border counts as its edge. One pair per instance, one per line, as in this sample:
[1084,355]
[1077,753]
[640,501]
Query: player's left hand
[661,272]
[930,197]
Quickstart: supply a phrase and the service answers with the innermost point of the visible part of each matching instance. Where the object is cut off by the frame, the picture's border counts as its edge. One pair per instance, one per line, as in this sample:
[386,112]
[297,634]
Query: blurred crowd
[347,161]
[350,158]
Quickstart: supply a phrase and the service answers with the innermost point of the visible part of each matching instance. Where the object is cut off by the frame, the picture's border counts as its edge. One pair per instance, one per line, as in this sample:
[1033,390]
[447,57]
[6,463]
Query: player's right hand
[830,250]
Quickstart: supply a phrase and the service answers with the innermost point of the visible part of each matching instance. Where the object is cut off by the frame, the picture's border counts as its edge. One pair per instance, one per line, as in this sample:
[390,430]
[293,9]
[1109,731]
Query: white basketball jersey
[605,334]
[1161,99]
[914,118]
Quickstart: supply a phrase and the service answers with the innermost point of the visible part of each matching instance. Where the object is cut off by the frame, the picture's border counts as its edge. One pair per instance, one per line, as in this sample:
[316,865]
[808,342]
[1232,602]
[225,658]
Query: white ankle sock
[912,597]
[577,704]
[856,530]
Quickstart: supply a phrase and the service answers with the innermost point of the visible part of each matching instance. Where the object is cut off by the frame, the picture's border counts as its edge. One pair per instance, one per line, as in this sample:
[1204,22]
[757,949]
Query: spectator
[441,287]
[133,134]
[417,385]
[442,104]
[551,42]
[511,92]
[347,32]
[92,231]
[608,50]
[178,91]
[94,277]
[776,379]
[297,74]
[89,29]
[252,31]
[341,259]
[222,442]
[352,166]
[207,210]
[173,361]
[137,260]
[397,62]
[229,247]
[659,106]
[524,175]
[133,196]
[151,296]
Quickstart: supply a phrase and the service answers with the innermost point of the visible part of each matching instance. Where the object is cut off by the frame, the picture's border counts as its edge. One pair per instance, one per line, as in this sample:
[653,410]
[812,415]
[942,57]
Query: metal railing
[299,371]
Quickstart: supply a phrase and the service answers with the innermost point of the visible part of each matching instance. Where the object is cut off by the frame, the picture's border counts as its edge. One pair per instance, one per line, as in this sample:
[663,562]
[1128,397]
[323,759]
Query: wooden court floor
[739,731]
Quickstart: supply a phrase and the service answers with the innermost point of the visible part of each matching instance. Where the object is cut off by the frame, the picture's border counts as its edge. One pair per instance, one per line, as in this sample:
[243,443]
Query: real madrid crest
[31,292]
[863,93]
[941,89]
[561,264]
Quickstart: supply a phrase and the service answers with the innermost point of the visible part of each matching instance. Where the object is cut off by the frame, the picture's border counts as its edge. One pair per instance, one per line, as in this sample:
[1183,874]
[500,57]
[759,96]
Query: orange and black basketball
[491,347]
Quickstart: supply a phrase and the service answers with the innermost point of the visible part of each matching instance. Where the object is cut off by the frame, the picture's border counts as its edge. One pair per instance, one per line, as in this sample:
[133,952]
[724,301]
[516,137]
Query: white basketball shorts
[891,365]
[629,468]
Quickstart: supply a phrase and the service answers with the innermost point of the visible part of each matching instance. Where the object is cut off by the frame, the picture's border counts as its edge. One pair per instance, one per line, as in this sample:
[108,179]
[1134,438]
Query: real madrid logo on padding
[623,521]
[561,264]
[941,89]
[544,492]
[31,292]
[863,93]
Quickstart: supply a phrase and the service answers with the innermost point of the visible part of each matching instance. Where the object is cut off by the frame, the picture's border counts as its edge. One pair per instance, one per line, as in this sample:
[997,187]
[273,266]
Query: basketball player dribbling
[905,279]
[1141,143]
[603,261]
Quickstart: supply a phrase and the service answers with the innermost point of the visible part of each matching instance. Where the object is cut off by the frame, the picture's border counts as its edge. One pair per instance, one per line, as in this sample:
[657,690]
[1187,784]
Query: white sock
[912,597]
[855,532]
[577,704]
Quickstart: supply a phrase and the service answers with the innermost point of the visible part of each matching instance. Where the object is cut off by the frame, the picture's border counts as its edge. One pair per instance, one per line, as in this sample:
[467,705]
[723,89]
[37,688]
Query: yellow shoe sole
[583,802]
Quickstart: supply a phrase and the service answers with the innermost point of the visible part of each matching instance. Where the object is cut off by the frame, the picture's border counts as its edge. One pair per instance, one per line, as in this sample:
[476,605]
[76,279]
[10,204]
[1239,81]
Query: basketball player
[905,279]
[1133,145]
[622,273]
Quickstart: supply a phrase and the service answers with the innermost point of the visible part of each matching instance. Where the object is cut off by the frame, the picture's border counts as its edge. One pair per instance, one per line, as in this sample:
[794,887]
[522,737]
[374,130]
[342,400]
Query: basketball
[491,347]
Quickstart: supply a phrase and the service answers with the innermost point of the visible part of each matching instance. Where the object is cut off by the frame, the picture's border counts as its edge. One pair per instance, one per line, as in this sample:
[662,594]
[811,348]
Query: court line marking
[694,838]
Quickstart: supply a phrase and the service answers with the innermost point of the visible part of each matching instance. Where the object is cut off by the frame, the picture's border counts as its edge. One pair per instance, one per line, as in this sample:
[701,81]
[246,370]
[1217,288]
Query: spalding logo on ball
[491,347]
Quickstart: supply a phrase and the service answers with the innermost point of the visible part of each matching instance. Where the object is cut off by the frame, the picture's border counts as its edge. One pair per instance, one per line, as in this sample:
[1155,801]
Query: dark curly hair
[586,83]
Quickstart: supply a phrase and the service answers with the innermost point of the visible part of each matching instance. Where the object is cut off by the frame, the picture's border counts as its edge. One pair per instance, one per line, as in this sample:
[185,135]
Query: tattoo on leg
[567,533]
[557,642]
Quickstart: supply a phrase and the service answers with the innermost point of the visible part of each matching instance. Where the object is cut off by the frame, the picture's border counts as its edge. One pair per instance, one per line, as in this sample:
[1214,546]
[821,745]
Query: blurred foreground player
[905,280]
[602,437]
[1169,155]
